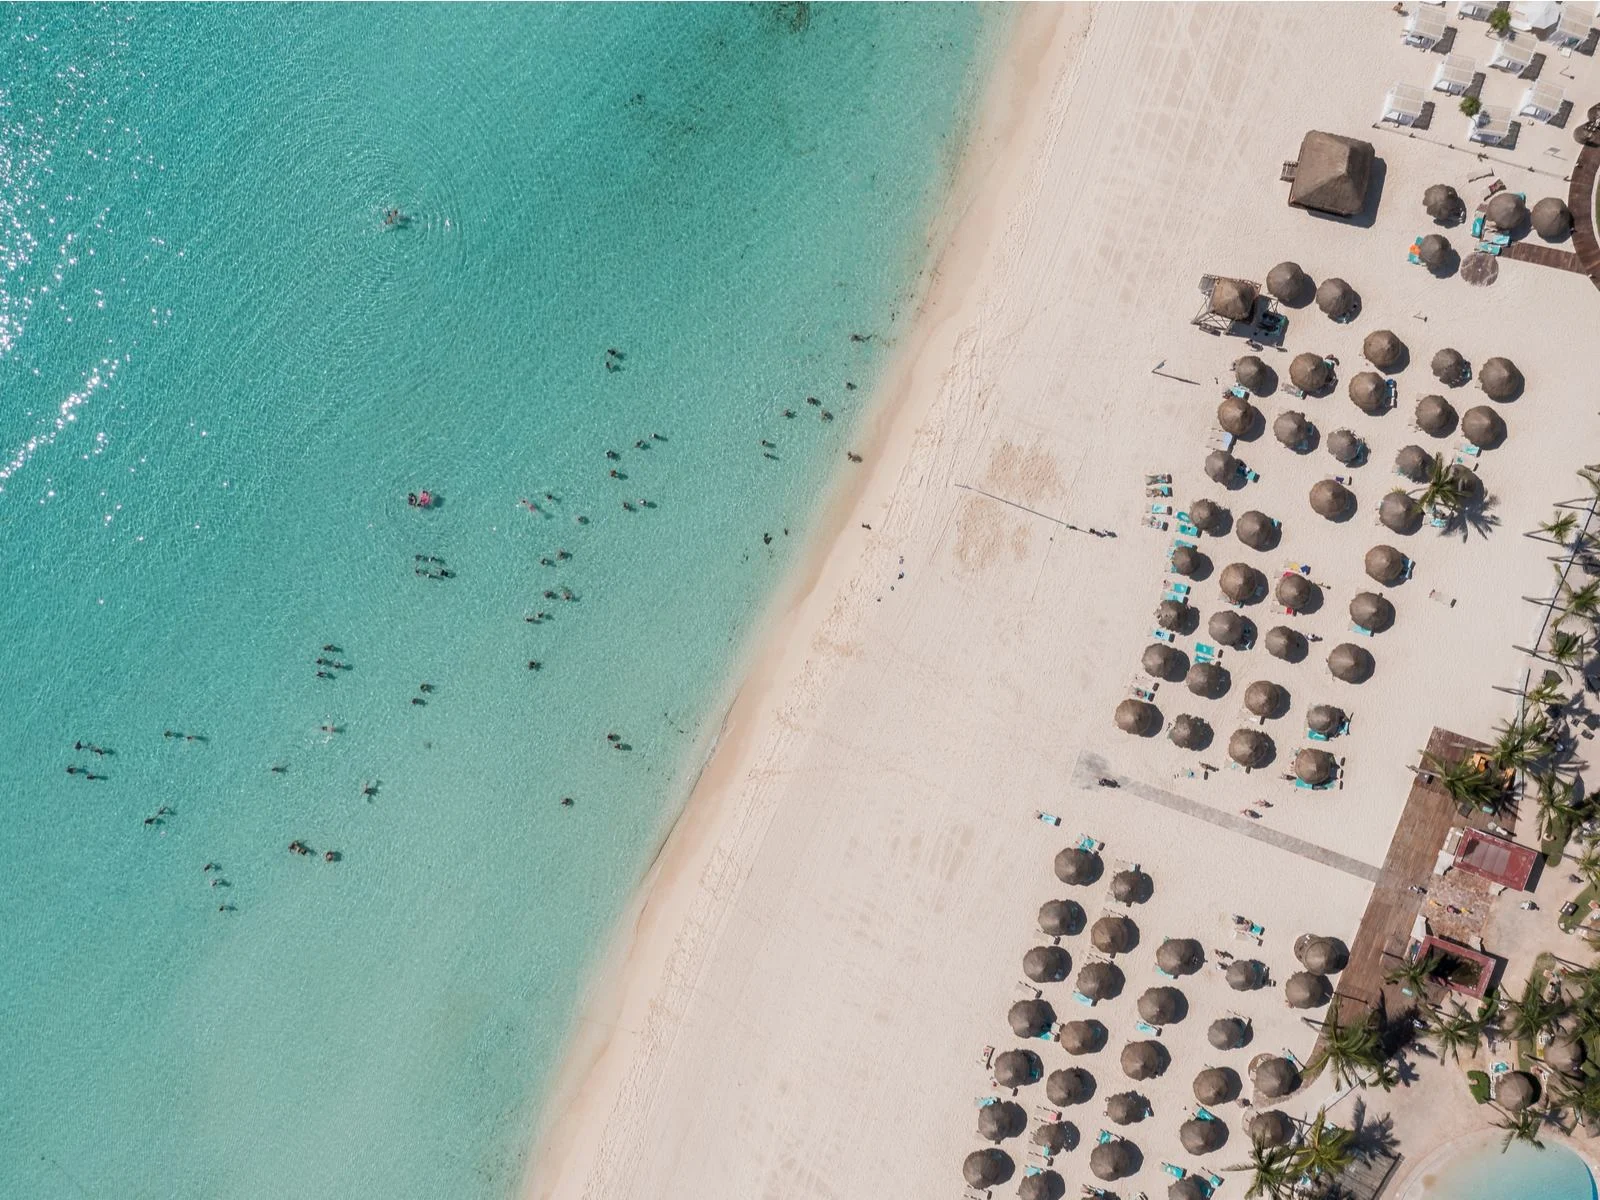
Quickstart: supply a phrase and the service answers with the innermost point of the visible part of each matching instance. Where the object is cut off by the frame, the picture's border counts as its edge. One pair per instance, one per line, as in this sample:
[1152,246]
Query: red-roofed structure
[1496,859]
[1454,951]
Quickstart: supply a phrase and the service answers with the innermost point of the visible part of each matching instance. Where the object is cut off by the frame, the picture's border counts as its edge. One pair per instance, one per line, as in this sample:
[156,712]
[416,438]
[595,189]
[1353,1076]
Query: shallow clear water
[1522,1172]
[221,373]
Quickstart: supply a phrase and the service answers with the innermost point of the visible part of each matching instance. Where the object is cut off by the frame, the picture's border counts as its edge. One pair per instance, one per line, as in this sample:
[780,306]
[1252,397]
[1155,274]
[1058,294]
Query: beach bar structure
[1447,950]
[1490,857]
[1541,102]
[1513,53]
[1454,75]
[1228,303]
[1425,26]
[1331,175]
[1404,105]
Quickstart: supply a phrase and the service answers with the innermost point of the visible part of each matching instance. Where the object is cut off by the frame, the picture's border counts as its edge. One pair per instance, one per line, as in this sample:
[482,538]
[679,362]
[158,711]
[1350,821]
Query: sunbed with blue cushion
[1164,635]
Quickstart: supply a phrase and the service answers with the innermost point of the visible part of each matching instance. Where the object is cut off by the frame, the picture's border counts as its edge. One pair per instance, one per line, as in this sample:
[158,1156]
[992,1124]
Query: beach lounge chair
[1176,542]
[1477,225]
[1499,239]
[1163,635]
[1048,818]
[1158,478]
[987,1056]
[1249,475]
[1294,1058]
[1085,842]
[1181,588]
[1489,248]
[1412,254]
[1354,628]
[1185,527]
[1145,694]
[1204,1114]
[1174,1170]
[1219,439]
[1032,1170]
[985,1101]
[1178,596]
[1411,564]
[1214,1180]
[1469,448]
[1237,392]
[1315,736]
[1161,510]
[1313,787]
[1104,1136]
[1207,649]
[1146,1027]
[1158,491]
[1154,523]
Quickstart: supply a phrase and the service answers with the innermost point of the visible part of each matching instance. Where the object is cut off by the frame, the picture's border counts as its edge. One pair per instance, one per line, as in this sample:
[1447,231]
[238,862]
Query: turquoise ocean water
[1522,1172]
[221,373]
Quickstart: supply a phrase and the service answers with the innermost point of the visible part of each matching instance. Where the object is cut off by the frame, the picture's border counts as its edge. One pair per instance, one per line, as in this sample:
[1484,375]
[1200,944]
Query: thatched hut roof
[1164,1005]
[1227,627]
[1060,918]
[1030,1018]
[1241,583]
[1385,564]
[1137,717]
[1251,373]
[1413,462]
[1564,1053]
[1190,733]
[1249,747]
[1077,866]
[1287,283]
[1143,1060]
[1442,203]
[1246,975]
[1482,426]
[1274,1077]
[1552,219]
[1310,372]
[1295,591]
[1314,766]
[1332,174]
[1112,1160]
[1292,429]
[1001,1120]
[1172,614]
[1054,1136]
[1337,299]
[1345,446]
[1500,379]
[1217,1085]
[1069,1085]
[1433,250]
[1371,611]
[1131,886]
[1383,349]
[1099,980]
[1322,955]
[1435,416]
[1186,560]
[1233,298]
[1163,661]
[1045,1185]
[1047,964]
[1516,1090]
[1507,210]
[1350,663]
[1126,1108]
[1221,466]
[1114,935]
[1269,1127]
[1449,367]
[1187,1188]
[987,1168]
[1016,1068]
[1208,680]
[1285,643]
[1237,416]
[1202,1137]
[1205,515]
[1369,392]
[1265,698]
[1399,513]
[1081,1037]
[1332,500]
[1256,530]
[1227,1033]
[1325,718]
[1305,990]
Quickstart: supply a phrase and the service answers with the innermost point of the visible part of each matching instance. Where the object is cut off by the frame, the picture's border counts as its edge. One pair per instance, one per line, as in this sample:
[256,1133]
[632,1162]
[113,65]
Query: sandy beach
[799,999]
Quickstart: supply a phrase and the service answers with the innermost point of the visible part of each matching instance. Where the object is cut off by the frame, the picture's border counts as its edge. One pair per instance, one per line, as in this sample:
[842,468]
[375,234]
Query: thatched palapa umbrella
[1208,680]
[1433,250]
[1143,1060]
[1565,1053]
[1337,299]
[1326,719]
[1237,416]
[1242,583]
[1435,416]
[1246,975]
[1047,964]
[1131,887]
[1482,426]
[1186,560]
[1256,530]
[1001,1120]
[1081,1037]
[1077,866]
[1100,981]
[1046,1185]
[1233,298]
[1060,918]
[1205,515]
[1127,1108]
[1172,614]
[1187,1188]
[1507,210]
[1287,283]
[1114,935]
[1161,1005]
[1350,663]
[1295,591]
[1321,955]
[987,1168]
[1552,219]
[1285,643]
[1332,500]
[1253,374]
[1399,513]
[1270,1127]
[1292,429]
[1265,699]
[1442,203]
[1227,1033]
[1249,747]
[1500,379]
[1450,367]
[1227,627]
[1305,990]
[1383,349]
[1369,392]
[1176,956]
[1137,717]
[1516,1089]
[1016,1068]
[1371,611]
[1315,767]
[1385,564]
[1216,1085]
[1221,467]
[1112,1160]
[1310,372]
[1274,1076]
[1202,1137]
[1030,1018]
[1345,446]
[1070,1085]
[1413,462]
[1190,733]
[1164,662]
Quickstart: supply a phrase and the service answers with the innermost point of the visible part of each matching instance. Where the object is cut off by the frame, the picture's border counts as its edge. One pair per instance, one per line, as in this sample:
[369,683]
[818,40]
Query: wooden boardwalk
[1546,256]
[1580,199]
[1385,929]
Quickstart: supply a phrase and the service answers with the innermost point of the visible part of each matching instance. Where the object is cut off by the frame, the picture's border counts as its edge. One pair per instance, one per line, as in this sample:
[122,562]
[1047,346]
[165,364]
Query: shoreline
[619,997]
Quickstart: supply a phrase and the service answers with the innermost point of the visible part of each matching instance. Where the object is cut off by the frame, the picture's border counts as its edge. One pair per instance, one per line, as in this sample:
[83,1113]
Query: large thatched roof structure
[1137,717]
[1383,349]
[1371,611]
[1332,500]
[1321,955]
[1077,866]
[1442,203]
[1482,426]
[1310,372]
[1287,283]
[1500,379]
[1552,219]
[1250,747]
[1331,174]
[1350,663]
[1242,583]
[1337,299]
[1436,416]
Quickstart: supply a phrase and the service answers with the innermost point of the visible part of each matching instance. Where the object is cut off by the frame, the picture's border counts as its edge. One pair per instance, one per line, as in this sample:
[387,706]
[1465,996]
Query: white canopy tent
[1541,102]
[1512,53]
[1542,14]
[1403,105]
[1424,27]
[1475,10]
[1491,126]
[1573,28]
[1454,75]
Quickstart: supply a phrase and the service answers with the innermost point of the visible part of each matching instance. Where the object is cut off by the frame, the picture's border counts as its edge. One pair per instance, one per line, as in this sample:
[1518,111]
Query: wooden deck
[1385,929]
[1580,199]
[1545,256]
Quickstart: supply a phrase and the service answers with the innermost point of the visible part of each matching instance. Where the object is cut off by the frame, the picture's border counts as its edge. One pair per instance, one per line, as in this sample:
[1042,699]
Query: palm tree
[1453,1033]
[1533,1012]
[1588,866]
[1559,527]
[1547,692]
[1556,810]
[1521,743]
[1468,782]
[1521,1127]
[1272,1172]
[1566,649]
[1354,1051]
[1414,974]
[1325,1150]
[1584,602]
[1444,490]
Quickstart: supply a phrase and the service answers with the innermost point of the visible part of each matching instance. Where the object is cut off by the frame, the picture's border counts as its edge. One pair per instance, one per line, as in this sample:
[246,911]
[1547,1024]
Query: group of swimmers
[427,568]
[299,847]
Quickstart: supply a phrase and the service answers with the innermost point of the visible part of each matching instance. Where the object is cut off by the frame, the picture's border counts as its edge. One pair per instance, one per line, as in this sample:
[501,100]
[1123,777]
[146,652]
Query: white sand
[834,930]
